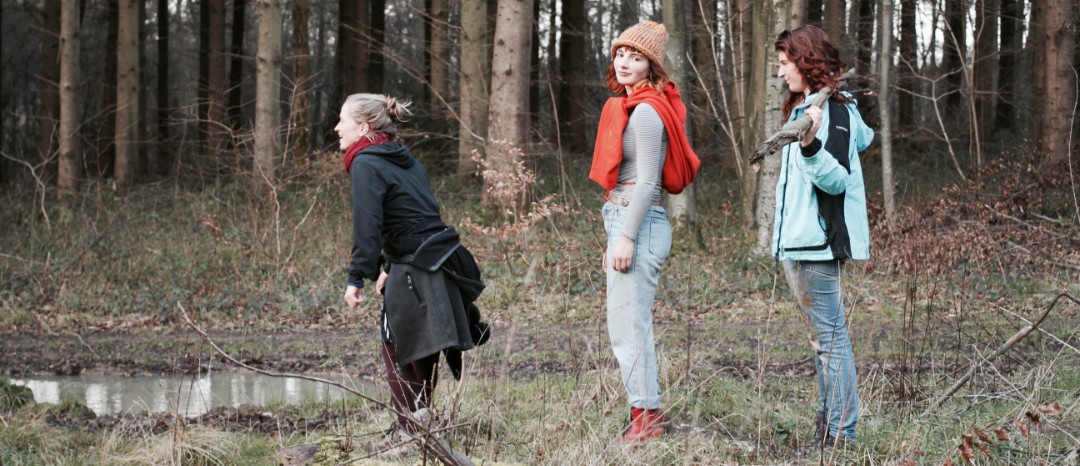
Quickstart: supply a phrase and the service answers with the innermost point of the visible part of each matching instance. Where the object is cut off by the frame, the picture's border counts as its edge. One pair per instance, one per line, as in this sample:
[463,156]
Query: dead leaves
[980,441]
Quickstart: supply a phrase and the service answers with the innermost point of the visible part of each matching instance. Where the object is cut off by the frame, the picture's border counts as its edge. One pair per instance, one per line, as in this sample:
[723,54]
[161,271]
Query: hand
[381,283]
[815,118]
[354,296]
[622,255]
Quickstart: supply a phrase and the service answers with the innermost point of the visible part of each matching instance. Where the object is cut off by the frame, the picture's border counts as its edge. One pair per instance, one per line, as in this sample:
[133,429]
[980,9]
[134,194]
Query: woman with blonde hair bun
[427,279]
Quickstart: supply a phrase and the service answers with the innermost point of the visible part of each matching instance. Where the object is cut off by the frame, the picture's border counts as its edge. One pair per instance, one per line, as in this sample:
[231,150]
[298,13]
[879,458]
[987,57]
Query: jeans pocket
[659,237]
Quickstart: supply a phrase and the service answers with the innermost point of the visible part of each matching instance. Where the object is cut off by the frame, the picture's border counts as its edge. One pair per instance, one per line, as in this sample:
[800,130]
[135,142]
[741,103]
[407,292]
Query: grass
[734,358]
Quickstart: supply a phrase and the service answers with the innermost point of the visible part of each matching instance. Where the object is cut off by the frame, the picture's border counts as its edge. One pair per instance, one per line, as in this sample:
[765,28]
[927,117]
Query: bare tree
[438,59]
[572,53]
[986,15]
[161,162]
[767,93]
[236,68]
[127,93]
[267,89]
[682,207]
[885,62]
[1011,35]
[954,52]
[798,13]
[214,118]
[49,91]
[509,85]
[835,13]
[299,139]
[1060,79]
[353,35]
[474,73]
[70,167]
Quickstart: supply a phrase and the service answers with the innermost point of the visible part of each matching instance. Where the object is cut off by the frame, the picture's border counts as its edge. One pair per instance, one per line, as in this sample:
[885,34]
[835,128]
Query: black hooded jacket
[394,209]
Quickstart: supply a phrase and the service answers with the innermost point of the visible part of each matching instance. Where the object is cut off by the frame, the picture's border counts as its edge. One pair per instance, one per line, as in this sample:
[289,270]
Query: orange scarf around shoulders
[681,164]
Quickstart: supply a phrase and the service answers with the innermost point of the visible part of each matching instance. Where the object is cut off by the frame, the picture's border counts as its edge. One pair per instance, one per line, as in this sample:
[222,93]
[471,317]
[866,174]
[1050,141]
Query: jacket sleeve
[368,190]
[828,169]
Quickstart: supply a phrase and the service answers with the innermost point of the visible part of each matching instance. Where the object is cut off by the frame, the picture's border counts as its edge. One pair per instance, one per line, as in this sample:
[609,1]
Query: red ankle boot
[645,424]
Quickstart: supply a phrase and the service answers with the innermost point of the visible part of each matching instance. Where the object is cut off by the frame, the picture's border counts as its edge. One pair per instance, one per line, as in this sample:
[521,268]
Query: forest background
[168,154]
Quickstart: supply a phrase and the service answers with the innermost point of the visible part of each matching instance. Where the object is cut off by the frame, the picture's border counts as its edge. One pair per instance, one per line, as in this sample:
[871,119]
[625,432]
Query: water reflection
[188,396]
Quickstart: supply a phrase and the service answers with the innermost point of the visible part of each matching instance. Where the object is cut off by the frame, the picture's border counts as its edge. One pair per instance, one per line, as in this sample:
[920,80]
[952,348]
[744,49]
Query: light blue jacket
[821,199]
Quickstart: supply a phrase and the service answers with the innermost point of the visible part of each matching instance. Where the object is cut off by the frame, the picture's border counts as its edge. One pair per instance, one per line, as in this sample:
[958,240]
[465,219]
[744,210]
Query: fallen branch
[794,130]
[438,447]
[998,352]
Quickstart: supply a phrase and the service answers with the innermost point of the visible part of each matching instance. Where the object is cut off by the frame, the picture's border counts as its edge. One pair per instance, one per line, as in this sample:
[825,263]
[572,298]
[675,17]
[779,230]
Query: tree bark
[236,68]
[1037,50]
[161,162]
[1005,105]
[299,131]
[864,35]
[986,14]
[214,119]
[1058,108]
[703,25]
[573,50]
[814,13]
[767,93]
[49,90]
[885,62]
[835,26]
[954,52]
[474,74]
[909,64]
[438,64]
[353,55]
[70,166]
[509,85]
[682,207]
[798,13]
[267,89]
[378,41]
[742,60]
[127,93]
[105,140]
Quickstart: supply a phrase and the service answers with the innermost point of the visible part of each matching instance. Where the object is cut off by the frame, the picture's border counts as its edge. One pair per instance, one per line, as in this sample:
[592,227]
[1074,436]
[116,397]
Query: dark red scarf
[681,164]
[360,144]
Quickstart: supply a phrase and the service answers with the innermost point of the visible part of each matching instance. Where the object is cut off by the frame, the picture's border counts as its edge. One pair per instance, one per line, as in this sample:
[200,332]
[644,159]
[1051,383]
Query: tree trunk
[986,13]
[161,161]
[439,58]
[267,89]
[1037,50]
[474,74]
[299,139]
[378,42]
[767,94]
[105,139]
[49,92]
[70,166]
[127,93]
[1005,106]
[629,13]
[509,86]
[740,19]
[1059,74]
[887,186]
[682,207]
[704,26]
[214,119]
[835,26]
[864,35]
[908,66]
[798,13]
[573,50]
[353,47]
[814,13]
[236,68]
[954,48]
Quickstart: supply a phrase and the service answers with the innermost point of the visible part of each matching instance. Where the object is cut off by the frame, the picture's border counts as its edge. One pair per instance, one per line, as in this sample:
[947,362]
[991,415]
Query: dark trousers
[412,386]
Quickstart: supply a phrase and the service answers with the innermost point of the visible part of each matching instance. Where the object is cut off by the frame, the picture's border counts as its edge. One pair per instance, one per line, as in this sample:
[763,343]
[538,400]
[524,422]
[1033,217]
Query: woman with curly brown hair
[641,149]
[821,218]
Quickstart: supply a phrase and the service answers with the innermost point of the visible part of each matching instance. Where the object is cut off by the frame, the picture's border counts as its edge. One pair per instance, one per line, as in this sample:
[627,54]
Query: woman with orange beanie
[641,149]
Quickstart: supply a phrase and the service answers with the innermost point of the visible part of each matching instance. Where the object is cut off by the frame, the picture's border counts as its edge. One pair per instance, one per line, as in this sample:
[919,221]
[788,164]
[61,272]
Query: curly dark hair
[817,59]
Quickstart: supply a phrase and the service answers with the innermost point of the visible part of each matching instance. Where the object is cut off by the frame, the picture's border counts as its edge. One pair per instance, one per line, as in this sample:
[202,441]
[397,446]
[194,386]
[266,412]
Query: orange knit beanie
[650,38]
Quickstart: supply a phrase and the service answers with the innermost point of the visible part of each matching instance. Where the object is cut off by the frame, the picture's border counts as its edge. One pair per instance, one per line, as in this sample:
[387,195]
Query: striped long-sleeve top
[645,145]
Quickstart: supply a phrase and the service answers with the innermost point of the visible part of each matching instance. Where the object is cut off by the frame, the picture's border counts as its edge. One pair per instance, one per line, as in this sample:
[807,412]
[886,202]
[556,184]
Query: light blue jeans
[816,286]
[630,297]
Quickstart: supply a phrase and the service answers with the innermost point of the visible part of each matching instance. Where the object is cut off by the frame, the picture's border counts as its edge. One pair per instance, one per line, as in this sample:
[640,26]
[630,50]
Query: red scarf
[681,164]
[360,144]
